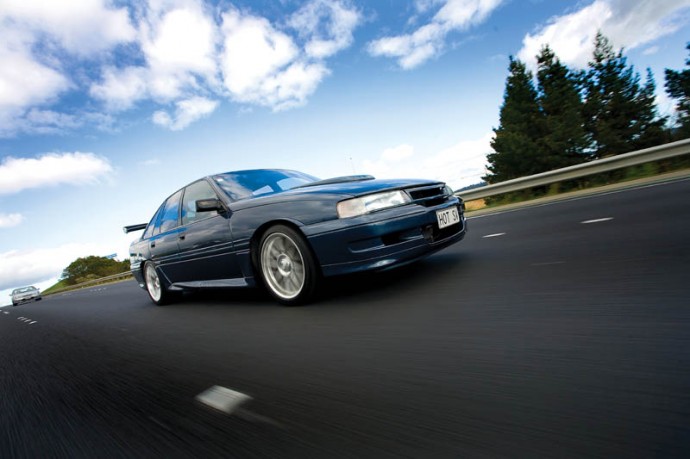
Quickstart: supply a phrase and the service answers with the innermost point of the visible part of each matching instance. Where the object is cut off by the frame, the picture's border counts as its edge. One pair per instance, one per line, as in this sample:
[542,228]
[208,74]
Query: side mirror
[209,205]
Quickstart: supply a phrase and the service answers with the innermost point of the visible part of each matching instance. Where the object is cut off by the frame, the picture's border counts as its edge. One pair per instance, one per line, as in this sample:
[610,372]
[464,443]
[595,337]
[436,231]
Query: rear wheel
[288,268]
[154,286]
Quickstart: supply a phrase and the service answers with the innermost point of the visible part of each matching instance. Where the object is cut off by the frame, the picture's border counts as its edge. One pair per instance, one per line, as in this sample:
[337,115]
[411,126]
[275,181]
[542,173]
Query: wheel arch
[259,233]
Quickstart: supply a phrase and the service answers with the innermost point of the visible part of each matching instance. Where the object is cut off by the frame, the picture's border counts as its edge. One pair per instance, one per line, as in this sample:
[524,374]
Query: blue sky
[107,107]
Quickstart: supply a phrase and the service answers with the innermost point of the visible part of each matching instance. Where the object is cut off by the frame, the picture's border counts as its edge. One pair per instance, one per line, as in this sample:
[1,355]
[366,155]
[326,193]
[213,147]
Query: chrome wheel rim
[153,283]
[282,265]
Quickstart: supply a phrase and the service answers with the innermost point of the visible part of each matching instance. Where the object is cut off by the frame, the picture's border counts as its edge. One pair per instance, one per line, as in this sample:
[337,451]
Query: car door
[205,239]
[163,244]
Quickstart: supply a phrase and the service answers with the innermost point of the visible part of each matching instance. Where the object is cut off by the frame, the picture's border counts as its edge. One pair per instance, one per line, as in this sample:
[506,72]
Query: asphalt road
[553,331]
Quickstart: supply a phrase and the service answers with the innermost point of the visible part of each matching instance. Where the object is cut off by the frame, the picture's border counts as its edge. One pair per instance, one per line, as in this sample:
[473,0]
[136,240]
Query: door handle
[152,244]
[182,235]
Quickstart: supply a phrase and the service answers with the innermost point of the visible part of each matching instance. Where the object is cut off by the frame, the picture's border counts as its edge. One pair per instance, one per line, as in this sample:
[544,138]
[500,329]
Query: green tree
[620,113]
[516,141]
[564,141]
[678,87]
[93,267]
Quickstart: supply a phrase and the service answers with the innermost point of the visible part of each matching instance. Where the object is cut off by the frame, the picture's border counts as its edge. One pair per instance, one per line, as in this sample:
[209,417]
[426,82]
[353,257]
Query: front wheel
[287,266]
[154,286]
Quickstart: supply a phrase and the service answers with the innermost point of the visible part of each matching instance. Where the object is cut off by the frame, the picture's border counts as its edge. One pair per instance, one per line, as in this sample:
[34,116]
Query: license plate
[447,217]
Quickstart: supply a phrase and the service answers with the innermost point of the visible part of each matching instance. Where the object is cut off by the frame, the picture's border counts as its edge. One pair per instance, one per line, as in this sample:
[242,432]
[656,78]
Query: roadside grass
[62,286]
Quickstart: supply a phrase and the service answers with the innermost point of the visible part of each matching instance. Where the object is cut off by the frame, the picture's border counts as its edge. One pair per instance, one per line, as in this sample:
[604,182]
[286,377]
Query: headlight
[371,203]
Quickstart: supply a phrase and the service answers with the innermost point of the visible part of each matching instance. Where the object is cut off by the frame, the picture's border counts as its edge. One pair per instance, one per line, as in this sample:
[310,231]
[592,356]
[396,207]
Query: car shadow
[366,286]
[369,286]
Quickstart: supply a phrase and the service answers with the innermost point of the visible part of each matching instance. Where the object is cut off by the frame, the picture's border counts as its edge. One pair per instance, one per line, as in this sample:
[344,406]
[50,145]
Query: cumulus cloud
[178,43]
[459,165]
[10,220]
[120,89]
[17,174]
[81,27]
[171,52]
[35,32]
[627,23]
[427,41]
[186,112]
[265,66]
[327,27]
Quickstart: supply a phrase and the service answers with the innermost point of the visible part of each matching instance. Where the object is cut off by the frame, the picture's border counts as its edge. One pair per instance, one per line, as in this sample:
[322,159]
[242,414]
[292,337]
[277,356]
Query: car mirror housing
[209,205]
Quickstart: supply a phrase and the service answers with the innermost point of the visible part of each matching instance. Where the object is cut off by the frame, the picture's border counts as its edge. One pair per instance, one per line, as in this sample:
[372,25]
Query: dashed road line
[597,220]
[549,263]
[26,320]
[493,235]
[222,398]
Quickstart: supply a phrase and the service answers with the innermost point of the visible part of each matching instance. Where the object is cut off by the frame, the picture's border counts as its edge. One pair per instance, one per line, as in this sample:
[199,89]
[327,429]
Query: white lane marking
[5,312]
[597,220]
[32,322]
[222,398]
[493,235]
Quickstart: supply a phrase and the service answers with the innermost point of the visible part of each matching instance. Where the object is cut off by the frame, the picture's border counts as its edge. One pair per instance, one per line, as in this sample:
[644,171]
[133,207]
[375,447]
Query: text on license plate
[447,217]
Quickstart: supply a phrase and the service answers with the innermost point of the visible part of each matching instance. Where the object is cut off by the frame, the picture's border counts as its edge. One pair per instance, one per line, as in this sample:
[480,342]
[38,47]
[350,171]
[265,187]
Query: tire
[287,266]
[155,287]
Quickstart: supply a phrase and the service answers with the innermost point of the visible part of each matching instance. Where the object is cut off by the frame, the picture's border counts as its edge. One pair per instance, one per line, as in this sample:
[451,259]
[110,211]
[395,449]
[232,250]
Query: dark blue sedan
[285,230]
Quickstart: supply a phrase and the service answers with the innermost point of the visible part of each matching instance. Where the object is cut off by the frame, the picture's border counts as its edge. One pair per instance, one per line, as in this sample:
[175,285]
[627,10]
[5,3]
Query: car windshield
[246,184]
[25,289]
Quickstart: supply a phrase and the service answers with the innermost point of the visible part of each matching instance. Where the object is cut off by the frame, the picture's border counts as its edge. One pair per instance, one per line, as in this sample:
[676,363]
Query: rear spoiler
[130,228]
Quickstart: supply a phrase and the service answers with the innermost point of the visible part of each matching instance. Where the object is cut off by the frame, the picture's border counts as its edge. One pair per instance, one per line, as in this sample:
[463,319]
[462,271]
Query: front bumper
[26,299]
[382,240]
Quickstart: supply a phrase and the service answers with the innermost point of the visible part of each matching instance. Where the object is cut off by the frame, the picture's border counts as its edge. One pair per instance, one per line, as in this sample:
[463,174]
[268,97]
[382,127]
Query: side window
[171,212]
[149,228]
[194,192]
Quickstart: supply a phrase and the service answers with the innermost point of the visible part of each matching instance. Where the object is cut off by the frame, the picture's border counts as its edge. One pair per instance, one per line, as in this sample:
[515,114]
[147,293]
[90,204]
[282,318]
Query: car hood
[359,186]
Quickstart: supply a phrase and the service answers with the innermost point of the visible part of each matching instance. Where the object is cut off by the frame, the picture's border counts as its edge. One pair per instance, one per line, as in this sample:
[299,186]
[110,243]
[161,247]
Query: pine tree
[515,144]
[565,141]
[678,87]
[620,114]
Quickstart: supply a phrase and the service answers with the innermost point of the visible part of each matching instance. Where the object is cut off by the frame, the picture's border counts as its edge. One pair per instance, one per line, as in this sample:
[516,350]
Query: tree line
[565,116]
[92,267]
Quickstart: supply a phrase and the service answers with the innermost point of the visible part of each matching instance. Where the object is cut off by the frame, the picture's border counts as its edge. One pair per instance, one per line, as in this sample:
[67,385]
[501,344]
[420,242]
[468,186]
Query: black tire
[287,266]
[155,286]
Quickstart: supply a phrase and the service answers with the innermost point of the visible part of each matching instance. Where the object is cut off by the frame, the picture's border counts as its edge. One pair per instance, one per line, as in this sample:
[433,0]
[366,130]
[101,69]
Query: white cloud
[627,23]
[34,32]
[120,89]
[79,26]
[253,52]
[178,43]
[10,220]
[51,169]
[176,51]
[413,49]
[26,267]
[262,65]
[327,25]
[459,165]
[186,112]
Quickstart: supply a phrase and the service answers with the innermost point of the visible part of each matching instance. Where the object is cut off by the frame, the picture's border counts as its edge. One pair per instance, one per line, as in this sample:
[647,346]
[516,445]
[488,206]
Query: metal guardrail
[669,150]
[102,280]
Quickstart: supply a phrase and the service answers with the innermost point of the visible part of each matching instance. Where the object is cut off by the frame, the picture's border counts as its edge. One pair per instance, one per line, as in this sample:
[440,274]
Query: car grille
[427,196]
